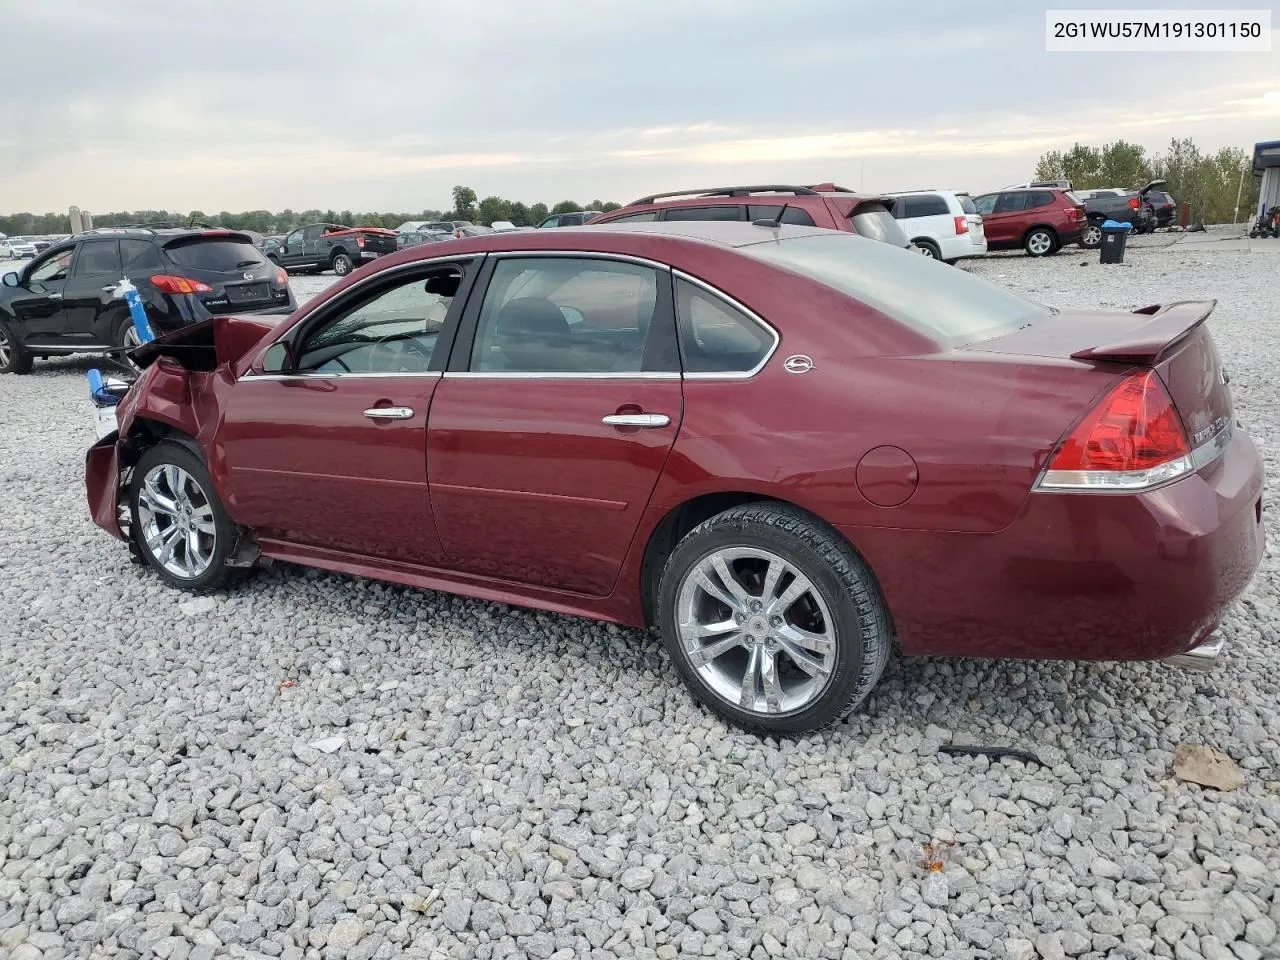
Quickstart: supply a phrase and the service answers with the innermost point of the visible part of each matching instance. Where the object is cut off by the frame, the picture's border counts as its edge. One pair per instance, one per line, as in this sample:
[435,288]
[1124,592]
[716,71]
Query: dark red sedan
[784,447]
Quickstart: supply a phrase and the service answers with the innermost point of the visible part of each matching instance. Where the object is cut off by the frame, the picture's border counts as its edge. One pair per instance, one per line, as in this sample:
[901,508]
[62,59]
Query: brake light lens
[282,277]
[1133,203]
[169,284]
[359,241]
[1075,213]
[1132,440]
[962,226]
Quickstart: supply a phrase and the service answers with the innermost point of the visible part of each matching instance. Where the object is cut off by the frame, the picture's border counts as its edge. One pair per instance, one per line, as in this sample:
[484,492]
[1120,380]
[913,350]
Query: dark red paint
[514,490]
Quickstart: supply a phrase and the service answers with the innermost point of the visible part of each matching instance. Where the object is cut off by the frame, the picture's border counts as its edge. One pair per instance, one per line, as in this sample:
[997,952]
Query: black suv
[62,301]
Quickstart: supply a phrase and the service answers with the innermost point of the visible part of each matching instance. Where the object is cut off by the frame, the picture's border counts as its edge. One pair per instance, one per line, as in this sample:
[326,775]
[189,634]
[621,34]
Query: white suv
[5,252]
[943,224]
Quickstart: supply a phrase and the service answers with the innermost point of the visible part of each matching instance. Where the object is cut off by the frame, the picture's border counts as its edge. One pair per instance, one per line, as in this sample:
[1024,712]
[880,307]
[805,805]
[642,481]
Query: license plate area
[247,292]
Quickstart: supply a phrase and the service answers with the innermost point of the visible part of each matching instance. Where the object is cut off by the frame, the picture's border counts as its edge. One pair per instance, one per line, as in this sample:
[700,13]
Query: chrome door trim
[389,413]
[513,375]
[426,375]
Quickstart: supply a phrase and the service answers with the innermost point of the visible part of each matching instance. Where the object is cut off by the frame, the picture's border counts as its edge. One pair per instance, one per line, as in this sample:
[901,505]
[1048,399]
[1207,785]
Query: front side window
[565,315]
[715,336]
[394,332]
[1011,202]
[55,268]
[98,258]
[986,205]
[549,222]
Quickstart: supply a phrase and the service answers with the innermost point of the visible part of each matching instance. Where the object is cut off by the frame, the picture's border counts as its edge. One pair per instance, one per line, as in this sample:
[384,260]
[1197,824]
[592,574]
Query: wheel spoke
[747,695]
[772,574]
[715,590]
[795,590]
[697,631]
[803,659]
[168,541]
[769,680]
[806,639]
[192,553]
[154,499]
[701,656]
[730,581]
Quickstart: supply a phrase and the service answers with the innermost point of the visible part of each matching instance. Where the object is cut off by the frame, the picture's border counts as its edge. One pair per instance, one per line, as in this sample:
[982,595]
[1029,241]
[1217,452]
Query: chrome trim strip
[580,255]
[743,375]
[341,376]
[389,413]
[1201,657]
[511,375]
[637,420]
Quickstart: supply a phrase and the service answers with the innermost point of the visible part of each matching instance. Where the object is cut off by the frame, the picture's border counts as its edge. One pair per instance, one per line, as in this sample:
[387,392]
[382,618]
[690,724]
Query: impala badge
[797,363]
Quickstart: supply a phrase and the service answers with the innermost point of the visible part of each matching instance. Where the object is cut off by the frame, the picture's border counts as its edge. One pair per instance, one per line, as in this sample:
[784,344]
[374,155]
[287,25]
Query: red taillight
[168,284]
[962,226]
[1075,213]
[359,241]
[1133,439]
[1133,203]
[282,277]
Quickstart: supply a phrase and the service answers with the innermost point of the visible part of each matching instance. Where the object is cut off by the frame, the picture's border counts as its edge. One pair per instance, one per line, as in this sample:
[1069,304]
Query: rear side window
[790,215]
[637,217]
[921,205]
[218,255]
[722,212]
[715,336]
[966,203]
[874,220]
[98,258]
[139,256]
[1041,198]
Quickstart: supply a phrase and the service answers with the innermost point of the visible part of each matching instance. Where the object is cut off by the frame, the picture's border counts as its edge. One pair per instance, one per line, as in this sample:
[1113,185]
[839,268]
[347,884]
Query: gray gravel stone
[513,783]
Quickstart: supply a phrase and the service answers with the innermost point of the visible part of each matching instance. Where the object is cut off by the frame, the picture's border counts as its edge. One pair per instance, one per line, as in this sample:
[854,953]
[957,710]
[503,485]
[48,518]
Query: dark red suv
[1040,221]
[822,205]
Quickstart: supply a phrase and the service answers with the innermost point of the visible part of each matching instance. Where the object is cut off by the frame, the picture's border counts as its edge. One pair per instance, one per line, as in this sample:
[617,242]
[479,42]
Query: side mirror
[277,359]
[10,279]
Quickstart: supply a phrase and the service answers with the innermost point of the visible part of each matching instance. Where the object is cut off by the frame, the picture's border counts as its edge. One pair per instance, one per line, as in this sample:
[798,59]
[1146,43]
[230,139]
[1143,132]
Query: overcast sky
[386,104]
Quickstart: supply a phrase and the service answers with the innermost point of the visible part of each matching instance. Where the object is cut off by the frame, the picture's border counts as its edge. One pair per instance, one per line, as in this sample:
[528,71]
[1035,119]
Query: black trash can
[1114,235]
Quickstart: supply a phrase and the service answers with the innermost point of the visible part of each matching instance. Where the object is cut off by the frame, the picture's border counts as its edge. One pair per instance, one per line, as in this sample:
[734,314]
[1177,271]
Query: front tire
[178,523]
[772,620]
[1040,242]
[342,264]
[14,357]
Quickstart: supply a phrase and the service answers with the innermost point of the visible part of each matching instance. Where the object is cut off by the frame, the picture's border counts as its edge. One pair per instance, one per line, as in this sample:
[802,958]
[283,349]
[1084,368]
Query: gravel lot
[317,766]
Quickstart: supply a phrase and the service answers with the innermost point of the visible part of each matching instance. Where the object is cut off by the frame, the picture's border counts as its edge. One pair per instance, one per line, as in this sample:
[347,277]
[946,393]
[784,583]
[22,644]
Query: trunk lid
[1174,339]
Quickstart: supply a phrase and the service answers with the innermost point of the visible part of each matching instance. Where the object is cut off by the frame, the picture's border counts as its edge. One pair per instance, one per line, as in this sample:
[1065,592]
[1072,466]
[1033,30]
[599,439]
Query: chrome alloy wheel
[756,630]
[177,522]
[1039,243]
[6,349]
[1092,235]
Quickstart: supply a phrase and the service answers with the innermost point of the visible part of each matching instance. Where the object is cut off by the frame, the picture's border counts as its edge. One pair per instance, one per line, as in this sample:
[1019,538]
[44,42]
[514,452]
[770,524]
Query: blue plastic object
[138,312]
[97,388]
[1116,225]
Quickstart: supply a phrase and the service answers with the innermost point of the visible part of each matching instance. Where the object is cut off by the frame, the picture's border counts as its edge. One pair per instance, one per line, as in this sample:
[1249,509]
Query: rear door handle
[389,413]
[55,296]
[637,420]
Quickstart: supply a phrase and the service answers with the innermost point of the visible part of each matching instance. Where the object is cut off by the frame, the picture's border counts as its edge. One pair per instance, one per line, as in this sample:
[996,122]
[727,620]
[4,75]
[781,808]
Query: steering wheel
[399,351]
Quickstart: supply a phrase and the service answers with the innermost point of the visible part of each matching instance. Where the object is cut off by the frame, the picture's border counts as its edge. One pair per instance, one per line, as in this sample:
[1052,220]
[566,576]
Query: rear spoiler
[1149,341]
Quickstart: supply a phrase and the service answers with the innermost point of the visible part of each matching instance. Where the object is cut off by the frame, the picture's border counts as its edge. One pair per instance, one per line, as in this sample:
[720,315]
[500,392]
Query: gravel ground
[315,766]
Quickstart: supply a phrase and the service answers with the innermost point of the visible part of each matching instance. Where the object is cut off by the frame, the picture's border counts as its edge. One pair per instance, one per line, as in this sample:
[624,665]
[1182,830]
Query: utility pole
[1239,190]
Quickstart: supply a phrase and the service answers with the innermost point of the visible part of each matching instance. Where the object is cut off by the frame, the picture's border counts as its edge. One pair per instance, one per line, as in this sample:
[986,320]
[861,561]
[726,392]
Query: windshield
[943,303]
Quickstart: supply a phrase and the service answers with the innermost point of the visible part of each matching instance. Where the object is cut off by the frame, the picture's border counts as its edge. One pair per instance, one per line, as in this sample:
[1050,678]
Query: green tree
[611,205]
[519,214]
[494,208]
[537,213]
[464,203]
[1124,165]
[566,206]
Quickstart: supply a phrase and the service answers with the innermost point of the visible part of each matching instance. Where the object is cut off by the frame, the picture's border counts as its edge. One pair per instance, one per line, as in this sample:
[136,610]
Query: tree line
[466,206]
[1207,181]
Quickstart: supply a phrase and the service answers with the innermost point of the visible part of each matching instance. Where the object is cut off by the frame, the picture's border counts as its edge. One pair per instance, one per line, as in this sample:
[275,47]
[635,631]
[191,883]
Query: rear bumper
[1070,235]
[1082,576]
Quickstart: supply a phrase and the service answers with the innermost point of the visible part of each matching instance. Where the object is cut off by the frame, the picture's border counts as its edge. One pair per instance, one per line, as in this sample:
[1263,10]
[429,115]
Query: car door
[313,246]
[553,423]
[330,452]
[1004,224]
[37,301]
[88,292]
[289,253]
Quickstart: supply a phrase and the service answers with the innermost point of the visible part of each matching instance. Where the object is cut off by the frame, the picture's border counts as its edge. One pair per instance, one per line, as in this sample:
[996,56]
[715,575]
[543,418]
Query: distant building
[1266,164]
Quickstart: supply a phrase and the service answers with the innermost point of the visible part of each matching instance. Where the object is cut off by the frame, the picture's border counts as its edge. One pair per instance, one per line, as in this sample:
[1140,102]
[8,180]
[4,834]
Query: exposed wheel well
[144,433]
[336,251]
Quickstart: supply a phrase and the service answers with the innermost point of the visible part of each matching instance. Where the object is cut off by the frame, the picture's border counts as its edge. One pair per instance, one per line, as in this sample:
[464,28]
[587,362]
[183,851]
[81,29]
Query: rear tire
[928,248]
[1091,237]
[806,637]
[125,336]
[179,525]
[14,357]
[1040,242]
[341,264]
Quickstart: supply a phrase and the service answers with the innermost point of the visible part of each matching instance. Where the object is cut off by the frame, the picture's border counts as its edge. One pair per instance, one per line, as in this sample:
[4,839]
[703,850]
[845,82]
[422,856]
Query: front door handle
[637,420]
[389,413]
[55,296]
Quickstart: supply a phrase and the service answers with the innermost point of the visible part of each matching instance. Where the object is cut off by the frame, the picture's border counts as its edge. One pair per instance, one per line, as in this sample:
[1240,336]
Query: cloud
[241,105]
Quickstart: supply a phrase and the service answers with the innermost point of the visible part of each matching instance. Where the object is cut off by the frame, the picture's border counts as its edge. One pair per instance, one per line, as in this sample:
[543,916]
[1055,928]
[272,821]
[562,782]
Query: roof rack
[729,192]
